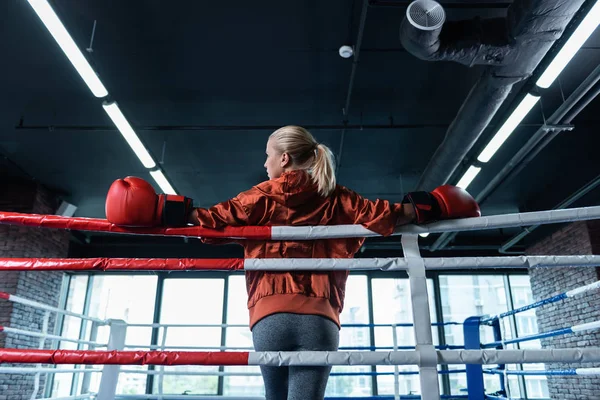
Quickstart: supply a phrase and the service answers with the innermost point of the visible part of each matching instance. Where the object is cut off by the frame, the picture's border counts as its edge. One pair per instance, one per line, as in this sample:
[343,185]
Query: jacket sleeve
[227,213]
[247,208]
[379,216]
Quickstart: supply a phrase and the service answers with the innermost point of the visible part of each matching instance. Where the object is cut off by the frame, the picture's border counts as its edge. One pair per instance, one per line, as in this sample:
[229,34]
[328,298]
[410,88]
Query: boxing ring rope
[48,337]
[30,370]
[289,264]
[549,300]
[474,373]
[304,232]
[352,325]
[78,397]
[233,373]
[572,329]
[44,335]
[396,374]
[372,348]
[160,373]
[200,397]
[425,356]
[297,358]
[20,300]
[564,372]
[494,397]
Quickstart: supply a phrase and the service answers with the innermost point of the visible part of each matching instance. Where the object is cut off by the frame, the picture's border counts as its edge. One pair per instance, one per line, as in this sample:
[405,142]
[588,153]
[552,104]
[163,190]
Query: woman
[298,311]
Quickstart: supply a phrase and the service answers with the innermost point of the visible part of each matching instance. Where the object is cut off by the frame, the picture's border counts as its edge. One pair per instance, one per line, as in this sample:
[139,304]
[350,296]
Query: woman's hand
[407,216]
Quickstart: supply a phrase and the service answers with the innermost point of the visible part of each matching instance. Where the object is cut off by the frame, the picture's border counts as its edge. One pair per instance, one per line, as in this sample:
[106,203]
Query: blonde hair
[307,154]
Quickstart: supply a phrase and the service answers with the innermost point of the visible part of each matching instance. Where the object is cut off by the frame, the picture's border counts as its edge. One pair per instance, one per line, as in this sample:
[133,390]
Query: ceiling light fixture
[68,46]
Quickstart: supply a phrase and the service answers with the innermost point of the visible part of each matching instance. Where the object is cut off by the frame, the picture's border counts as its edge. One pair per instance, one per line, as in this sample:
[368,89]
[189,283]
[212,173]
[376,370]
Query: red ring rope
[120,264]
[102,225]
[26,356]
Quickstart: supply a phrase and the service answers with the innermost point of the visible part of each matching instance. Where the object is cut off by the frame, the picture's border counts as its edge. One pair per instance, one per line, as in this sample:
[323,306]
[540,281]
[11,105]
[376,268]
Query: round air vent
[427,15]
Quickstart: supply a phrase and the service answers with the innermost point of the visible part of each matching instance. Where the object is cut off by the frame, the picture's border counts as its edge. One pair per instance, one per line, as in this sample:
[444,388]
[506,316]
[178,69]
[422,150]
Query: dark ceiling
[205,83]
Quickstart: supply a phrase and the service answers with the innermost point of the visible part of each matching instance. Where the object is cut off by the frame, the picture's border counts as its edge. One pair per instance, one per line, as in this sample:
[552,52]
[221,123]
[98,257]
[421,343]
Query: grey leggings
[295,332]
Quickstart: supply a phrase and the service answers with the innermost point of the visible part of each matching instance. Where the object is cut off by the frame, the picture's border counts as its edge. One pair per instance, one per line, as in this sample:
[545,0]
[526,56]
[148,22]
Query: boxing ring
[425,355]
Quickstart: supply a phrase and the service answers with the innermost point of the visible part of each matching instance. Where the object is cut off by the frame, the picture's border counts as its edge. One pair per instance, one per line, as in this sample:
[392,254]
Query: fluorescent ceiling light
[508,127]
[468,177]
[571,47]
[68,46]
[162,181]
[424,234]
[113,111]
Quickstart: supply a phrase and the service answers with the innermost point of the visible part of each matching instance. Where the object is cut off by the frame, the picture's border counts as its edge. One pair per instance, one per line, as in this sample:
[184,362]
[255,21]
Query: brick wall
[44,287]
[573,239]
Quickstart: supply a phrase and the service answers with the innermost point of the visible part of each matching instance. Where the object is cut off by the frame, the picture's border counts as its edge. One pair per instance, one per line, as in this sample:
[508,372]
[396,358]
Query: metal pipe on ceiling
[578,97]
[346,109]
[593,184]
[564,115]
[511,49]
[551,133]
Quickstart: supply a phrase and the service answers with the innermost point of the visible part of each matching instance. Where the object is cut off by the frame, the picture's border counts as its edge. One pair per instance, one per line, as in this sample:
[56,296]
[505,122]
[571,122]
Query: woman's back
[292,200]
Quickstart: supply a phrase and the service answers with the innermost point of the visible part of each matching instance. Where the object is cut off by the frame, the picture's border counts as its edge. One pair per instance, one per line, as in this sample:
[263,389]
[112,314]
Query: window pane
[237,301]
[71,328]
[526,321]
[237,313]
[537,387]
[465,296]
[129,298]
[392,304]
[526,324]
[356,311]
[190,301]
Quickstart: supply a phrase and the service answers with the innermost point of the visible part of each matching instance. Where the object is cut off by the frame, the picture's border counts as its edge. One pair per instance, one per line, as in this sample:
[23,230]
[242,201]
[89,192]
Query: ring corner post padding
[498,337]
[475,386]
[428,375]
[110,373]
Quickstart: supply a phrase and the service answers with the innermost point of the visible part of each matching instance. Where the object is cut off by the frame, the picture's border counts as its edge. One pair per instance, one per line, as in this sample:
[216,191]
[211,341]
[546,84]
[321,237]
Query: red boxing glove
[445,202]
[133,202]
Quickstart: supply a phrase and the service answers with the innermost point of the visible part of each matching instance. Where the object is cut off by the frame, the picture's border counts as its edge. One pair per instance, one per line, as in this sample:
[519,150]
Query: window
[521,290]
[356,311]
[190,302]
[126,297]
[237,314]
[129,298]
[61,385]
[537,387]
[392,305]
[200,301]
[464,296]
[526,324]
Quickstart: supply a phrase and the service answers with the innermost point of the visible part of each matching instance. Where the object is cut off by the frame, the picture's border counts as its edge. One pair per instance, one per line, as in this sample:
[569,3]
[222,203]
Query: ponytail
[323,170]
[307,154]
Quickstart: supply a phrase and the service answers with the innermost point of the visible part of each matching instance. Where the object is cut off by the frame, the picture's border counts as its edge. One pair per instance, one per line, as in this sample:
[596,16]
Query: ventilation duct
[510,47]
